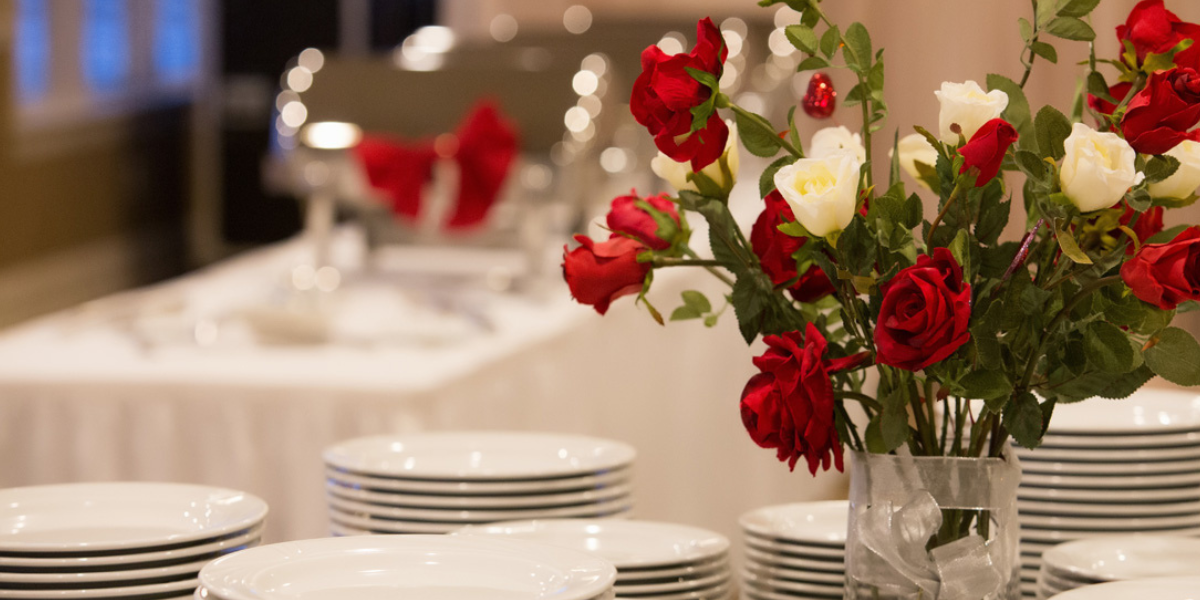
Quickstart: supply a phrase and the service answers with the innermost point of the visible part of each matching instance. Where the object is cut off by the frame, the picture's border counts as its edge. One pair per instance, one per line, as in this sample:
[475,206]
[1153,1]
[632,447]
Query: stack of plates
[439,482]
[795,551]
[416,566]
[1166,588]
[1119,558]
[138,541]
[654,561]
[1111,467]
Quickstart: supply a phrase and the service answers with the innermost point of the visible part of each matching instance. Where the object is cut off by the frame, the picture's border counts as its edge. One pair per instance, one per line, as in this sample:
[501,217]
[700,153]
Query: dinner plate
[755,594]
[1030,467]
[626,544]
[480,455]
[694,570]
[477,502]
[1147,410]
[79,579]
[1111,496]
[1127,557]
[763,583]
[809,522]
[1110,510]
[1043,537]
[427,566]
[1125,482]
[1108,455]
[1111,442]
[769,572]
[672,587]
[1165,588]
[1113,523]
[478,516]
[482,488]
[168,589]
[402,526]
[101,517]
[123,560]
[779,560]
[718,592]
[795,550]
[1049,580]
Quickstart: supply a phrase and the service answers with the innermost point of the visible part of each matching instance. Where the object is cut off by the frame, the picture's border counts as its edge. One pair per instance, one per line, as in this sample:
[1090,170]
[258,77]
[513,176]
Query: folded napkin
[484,146]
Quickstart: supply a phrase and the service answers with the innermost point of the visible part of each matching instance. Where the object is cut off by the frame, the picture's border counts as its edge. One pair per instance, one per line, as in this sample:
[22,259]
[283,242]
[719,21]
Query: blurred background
[204,288]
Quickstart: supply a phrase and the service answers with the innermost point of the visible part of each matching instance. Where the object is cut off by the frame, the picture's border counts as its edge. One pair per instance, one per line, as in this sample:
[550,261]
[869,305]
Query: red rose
[986,149]
[789,406]
[1154,30]
[1166,274]
[598,273]
[775,249]
[626,217]
[665,93]
[925,312]
[1148,223]
[1160,116]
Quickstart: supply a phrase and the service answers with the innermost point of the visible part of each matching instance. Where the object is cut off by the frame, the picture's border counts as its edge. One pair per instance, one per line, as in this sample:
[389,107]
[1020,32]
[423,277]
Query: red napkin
[484,146]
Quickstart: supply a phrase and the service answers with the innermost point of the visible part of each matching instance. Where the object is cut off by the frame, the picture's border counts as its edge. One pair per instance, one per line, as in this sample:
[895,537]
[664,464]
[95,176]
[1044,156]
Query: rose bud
[628,218]
[986,149]
[599,272]
[969,106]
[1155,30]
[1098,168]
[676,172]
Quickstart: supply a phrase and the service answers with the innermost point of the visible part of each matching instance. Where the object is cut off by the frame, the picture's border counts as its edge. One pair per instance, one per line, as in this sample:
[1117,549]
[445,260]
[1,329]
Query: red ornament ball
[821,99]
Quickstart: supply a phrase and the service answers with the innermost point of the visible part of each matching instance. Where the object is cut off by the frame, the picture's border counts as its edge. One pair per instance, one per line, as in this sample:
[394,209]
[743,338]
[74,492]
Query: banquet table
[121,389]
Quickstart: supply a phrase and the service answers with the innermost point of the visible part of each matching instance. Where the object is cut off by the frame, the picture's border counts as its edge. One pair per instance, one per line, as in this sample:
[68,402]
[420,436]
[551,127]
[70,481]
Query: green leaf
[705,78]
[960,248]
[1098,87]
[993,214]
[668,228]
[857,245]
[830,41]
[858,43]
[1045,51]
[1025,29]
[1023,419]
[889,429]
[1052,129]
[1070,28]
[766,181]
[757,134]
[1165,235]
[1017,113]
[1166,60]
[1128,383]
[684,313]
[812,63]
[1070,247]
[711,320]
[1031,164]
[1175,356]
[1078,8]
[696,300]
[802,37]
[1158,168]
[987,385]
[794,229]
[1107,348]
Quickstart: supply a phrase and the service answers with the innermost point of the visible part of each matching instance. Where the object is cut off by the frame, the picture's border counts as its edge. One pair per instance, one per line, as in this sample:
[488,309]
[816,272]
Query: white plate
[377,567]
[1170,441]
[96,517]
[81,579]
[1107,455]
[1109,524]
[1030,467]
[480,455]
[182,587]
[718,592]
[765,584]
[793,550]
[673,587]
[811,522]
[1127,557]
[1049,580]
[1147,410]
[800,576]
[477,502]
[122,561]
[693,570]
[1123,482]
[1045,537]
[756,594]
[478,516]
[483,488]
[1030,508]
[626,544]
[1166,588]
[402,526]
[1115,496]
[779,560]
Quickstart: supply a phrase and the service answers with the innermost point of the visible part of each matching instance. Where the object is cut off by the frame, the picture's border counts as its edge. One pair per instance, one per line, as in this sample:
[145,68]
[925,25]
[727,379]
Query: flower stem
[749,118]
[1032,40]
[863,399]
[1062,315]
[945,208]
[664,261]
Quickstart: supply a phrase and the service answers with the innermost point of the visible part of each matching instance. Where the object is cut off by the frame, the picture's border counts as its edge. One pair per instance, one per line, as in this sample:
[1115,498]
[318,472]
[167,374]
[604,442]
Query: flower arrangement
[842,272]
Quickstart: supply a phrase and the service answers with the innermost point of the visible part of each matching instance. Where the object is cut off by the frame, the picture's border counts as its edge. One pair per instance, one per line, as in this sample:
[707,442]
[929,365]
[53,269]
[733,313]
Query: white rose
[1183,183]
[822,192]
[969,106]
[914,148]
[1097,169]
[834,139]
[676,173]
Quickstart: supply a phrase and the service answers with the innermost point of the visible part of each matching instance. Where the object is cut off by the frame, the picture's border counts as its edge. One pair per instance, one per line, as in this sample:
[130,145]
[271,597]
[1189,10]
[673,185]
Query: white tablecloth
[82,399]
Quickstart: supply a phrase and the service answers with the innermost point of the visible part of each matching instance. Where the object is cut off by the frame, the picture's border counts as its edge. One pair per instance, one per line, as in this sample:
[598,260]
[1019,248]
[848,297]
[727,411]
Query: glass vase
[933,528]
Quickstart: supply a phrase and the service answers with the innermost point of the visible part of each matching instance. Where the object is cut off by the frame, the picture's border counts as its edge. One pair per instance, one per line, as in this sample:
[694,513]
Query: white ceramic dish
[780,585]
[480,455]
[626,544]
[755,594]
[477,502]
[1046,453]
[1049,580]
[693,570]
[401,526]
[123,561]
[82,579]
[182,587]
[1030,467]
[1112,510]
[1114,496]
[1167,588]
[478,516]
[1126,523]
[811,552]
[809,522]
[719,592]
[1042,537]
[674,587]
[797,575]
[1124,482]
[1111,442]
[779,560]
[483,488]
[102,517]
[377,567]
[1127,557]
[1148,410]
